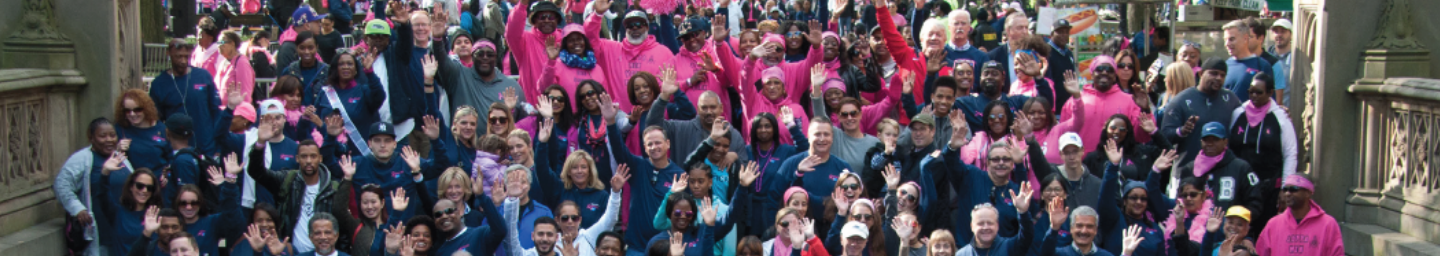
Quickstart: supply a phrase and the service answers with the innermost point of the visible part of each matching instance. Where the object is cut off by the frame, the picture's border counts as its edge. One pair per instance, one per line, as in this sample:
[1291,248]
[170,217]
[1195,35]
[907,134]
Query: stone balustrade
[1397,183]
[38,111]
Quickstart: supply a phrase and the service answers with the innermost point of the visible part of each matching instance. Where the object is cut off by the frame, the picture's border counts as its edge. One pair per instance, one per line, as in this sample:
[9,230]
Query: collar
[962,48]
[332,253]
[463,228]
[1081,252]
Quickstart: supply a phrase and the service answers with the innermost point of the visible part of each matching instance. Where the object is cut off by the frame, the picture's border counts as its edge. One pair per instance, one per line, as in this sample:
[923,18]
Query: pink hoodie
[756,103]
[1101,105]
[237,74]
[1050,138]
[685,65]
[632,58]
[556,72]
[528,49]
[1316,234]
[728,59]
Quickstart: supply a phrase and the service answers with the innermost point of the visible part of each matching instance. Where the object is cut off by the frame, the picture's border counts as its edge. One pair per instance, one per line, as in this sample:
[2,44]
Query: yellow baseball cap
[1238,211]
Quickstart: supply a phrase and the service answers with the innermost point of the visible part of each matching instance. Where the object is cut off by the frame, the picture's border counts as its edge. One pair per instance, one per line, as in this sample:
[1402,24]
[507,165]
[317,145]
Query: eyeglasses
[637,24]
[1291,189]
[794,33]
[851,186]
[145,187]
[996,116]
[850,114]
[1136,198]
[569,218]
[1192,194]
[499,120]
[442,213]
[1127,66]
[1000,159]
[863,217]
[683,214]
[546,17]
[133,110]
[183,204]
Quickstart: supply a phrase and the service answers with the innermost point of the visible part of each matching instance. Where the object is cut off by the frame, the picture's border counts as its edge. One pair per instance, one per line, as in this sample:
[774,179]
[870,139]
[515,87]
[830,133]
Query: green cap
[377,27]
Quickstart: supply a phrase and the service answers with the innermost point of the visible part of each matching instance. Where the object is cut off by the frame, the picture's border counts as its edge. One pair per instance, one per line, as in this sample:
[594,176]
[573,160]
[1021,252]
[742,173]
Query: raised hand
[892,177]
[1227,248]
[255,237]
[814,36]
[232,164]
[401,14]
[398,200]
[1026,64]
[277,246]
[1113,152]
[551,49]
[546,127]
[1022,201]
[546,108]
[707,211]
[124,145]
[215,177]
[809,228]
[600,7]
[808,164]
[1165,160]
[1022,126]
[347,166]
[677,243]
[309,113]
[817,80]
[511,99]
[334,124]
[367,60]
[152,220]
[265,130]
[903,228]
[787,116]
[1132,239]
[796,236]
[412,158]
[430,67]
[667,82]
[678,183]
[718,31]
[842,203]
[707,64]
[568,246]
[719,128]
[1072,84]
[1217,217]
[394,236]
[958,137]
[432,127]
[607,108]
[114,163]
[1059,213]
[617,181]
[515,191]
[1148,123]
[408,247]
[1189,126]
[907,79]
[1180,213]
[749,173]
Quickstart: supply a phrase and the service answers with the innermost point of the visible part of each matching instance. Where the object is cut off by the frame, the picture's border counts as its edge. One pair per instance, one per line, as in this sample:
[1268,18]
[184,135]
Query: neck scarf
[586,62]
[1204,163]
[1255,114]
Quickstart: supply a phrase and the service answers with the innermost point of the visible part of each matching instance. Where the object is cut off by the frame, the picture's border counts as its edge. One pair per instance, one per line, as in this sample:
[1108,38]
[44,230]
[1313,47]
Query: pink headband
[1299,181]
[793,191]
[483,43]
[1101,60]
[772,72]
[916,185]
[964,61]
[864,201]
[900,20]
[825,34]
[775,38]
[834,83]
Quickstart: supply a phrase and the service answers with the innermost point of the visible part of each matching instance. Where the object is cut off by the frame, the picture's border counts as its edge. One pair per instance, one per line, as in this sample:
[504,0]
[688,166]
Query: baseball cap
[853,229]
[267,105]
[923,118]
[245,110]
[693,25]
[377,27]
[636,15]
[1070,138]
[304,15]
[1062,23]
[1239,212]
[382,128]
[1284,23]
[993,64]
[1215,64]
[1015,5]
[1213,129]
[180,124]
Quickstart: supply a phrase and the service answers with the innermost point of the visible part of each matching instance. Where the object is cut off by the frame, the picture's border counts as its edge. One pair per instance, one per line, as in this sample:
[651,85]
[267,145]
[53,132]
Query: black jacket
[289,189]
[1231,181]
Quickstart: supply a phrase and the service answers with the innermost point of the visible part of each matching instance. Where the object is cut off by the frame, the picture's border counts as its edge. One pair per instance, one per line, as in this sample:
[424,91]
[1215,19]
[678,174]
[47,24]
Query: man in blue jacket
[1243,63]
[1061,60]
[980,187]
[189,90]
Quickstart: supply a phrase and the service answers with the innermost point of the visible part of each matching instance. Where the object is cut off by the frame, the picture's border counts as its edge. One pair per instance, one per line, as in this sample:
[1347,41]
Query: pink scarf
[1204,163]
[1255,114]
[1196,226]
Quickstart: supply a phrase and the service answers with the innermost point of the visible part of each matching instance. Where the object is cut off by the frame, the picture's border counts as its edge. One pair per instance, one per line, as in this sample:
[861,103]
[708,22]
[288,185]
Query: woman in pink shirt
[770,100]
[235,77]
[573,64]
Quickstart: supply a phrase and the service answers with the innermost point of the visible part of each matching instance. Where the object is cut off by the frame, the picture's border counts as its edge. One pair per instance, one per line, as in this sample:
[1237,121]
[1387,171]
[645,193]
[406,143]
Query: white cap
[1284,23]
[271,106]
[853,229]
[1070,138]
[1015,5]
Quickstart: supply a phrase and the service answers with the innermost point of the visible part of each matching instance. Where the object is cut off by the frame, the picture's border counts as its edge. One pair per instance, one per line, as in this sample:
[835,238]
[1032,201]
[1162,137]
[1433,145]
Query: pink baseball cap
[244,109]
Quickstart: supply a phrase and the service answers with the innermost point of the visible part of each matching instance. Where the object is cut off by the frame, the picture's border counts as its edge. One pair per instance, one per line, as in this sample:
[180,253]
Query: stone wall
[91,27]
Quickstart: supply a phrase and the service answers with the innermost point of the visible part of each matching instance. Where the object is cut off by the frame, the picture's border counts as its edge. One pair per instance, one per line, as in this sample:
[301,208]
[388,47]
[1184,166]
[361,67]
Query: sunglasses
[1105,68]
[997,116]
[183,204]
[1000,159]
[569,218]
[785,224]
[1291,189]
[1192,194]
[794,33]
[557,99]
[442,213]
[863,217]
[851,186]
[635,25]
[1126,66]
[133,110]
[850,114]
[499,120]
[683,214]
[590,93]
[145,187]
[546,17]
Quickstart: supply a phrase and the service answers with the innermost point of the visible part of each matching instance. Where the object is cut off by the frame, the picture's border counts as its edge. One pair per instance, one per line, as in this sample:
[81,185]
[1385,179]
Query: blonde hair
[574,159]
[520,134]
[1178,77]
[462,111]
[768,26]
[940,236]
[887,123]
[450,176]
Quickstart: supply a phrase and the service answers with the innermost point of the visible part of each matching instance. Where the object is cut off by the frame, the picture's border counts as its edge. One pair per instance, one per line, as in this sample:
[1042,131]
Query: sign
[1251,5]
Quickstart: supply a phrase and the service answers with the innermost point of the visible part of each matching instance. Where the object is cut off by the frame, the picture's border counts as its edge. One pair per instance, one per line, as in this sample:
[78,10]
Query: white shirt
[302,226]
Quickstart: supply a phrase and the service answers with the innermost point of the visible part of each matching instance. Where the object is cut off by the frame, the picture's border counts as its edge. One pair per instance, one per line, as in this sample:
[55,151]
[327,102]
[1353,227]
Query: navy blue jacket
[1113,222]
[193,94]
[648,186]
[975,188]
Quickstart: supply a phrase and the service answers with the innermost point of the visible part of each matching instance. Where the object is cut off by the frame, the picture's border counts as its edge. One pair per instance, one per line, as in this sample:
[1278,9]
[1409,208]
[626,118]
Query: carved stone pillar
[127,57]
[37,44]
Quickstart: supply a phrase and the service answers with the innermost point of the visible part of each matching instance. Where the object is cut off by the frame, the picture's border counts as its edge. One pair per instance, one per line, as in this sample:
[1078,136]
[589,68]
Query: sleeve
[141,247]
[657,117]
[1288,144]
[707,240]
[1212,241]
[1038,163]
[266,178]
[546,174]
[1109,207]
[681,108]
[907,102]
[375,93]
[449,69]
[607,219]
[814,247]
[492,239]
[1175,117]
[70,181]
[622,153]
[802,143]
[547,75]
[1021,242]
[404,43]
[1160,205]
[1047,247]
[512,237]
[700,153]
[515,34]
[340,207]
[662,221]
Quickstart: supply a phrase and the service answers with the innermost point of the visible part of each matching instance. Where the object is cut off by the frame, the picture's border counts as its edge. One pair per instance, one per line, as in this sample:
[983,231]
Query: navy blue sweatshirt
[1113,222]
[208,230]
[648,186]
[361,102]
[819,183]
[481,240]
[973,107]
[1240,72]
[591,201]
[975,187]
[194,94]
[148,146]
[1003,245]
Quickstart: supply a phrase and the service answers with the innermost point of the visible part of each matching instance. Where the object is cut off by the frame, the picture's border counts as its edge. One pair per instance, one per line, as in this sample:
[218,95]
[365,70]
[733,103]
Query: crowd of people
[845,127]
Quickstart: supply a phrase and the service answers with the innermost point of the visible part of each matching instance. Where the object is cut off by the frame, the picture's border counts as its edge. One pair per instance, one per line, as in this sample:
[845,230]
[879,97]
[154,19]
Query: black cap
[382,128]
[1214,63]
[546,6]
[180,124]
[1061,23]
[693,25]
[994,65]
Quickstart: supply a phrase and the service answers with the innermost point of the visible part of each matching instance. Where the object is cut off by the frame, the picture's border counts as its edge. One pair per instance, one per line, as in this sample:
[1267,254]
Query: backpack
[202,164]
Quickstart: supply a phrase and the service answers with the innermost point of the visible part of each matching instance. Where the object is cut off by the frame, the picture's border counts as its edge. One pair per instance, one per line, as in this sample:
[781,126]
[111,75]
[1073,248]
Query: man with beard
[639,52]
[687,135]
[301,194]
[169,228]
[545,233]
[695,67]
[1207,102]
[189,90]
[1303,225]
[479,85]
[324,231]
[1283,30]
[1104,98]
[528,46]
[482,240]
[980,187]
[991,89]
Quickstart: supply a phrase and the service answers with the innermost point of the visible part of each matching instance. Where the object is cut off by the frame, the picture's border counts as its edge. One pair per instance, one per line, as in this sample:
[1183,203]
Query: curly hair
[141,98]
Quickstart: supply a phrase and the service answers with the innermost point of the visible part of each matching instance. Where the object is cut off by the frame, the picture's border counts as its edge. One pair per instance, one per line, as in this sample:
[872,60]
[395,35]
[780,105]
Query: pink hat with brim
[246,110]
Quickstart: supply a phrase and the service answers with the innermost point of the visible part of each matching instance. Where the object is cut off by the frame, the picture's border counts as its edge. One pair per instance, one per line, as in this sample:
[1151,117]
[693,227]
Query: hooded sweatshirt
[591,201]
[234,74]
[647,56]
[686,62]
[1113,221]
[556,72]
[528,49]
[1212,107]
[756,103]
[1231,180]
[1264,137]
[1315,234]
[1100,105]
[727,59]
[1050,137]
[975,187]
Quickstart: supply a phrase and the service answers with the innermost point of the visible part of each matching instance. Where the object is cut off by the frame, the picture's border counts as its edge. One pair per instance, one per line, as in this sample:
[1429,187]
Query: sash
[350,130]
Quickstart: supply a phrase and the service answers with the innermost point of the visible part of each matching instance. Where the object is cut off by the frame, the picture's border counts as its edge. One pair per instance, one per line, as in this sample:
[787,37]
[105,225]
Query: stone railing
[38,109]
[1397,185]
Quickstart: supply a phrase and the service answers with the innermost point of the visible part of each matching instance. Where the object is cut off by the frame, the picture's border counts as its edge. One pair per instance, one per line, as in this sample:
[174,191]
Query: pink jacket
[1316,234]
[798,78]
[528,49]
[237,75]
[569,78]
[631,59]
[756,103]
[1050,138]
[1100,106]
[686,62]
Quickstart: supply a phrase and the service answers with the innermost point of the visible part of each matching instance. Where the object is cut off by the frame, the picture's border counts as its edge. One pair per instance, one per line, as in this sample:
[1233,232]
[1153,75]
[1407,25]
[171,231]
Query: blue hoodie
[208,230]
[1113,222]
[648,186]
[975,187]
[590,201]
[193,94]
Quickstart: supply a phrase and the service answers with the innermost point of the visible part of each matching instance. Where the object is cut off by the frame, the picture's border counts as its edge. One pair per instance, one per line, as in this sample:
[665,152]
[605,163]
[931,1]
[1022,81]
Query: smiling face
[716,156]
[544,236]
[909,197]
[306,51]
[465,127]
[323,236]
[785,223]
[682,215]
[575,43]
[104,139]
[144,187]
[832,47]
[764,130]
[589,98]
[1193,197]
[656,145]
[849,117]
[774,89]
[1039,115]
[964,79]
[545,22]
[1000,163]
[557,100]
[800,202]
[265,222]
[748,41]
[610,246]
[421,236]
[794,37]
[985,225]
[134,114]
[1237,42]
[850,187]
[371,204]
[447,216]
[833,97]
[499,122]
[1052,190]
[1136,202]
[420,25]
[345,64]
[1083,230]
[1116,129]
[1105,77]
[695,42]
[189,205]
[183,246]
[998,120]
[935,39]
[519,148]
[922,134]
[644,92]
[636,29]
[710,109]
[1125,68]
[579,174]
[1211,80]
[990,81]
[821,136]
